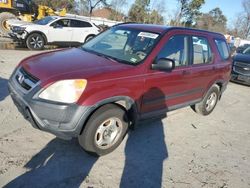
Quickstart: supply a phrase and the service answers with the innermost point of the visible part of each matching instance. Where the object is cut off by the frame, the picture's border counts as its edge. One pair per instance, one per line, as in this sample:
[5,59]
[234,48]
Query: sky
[230,8]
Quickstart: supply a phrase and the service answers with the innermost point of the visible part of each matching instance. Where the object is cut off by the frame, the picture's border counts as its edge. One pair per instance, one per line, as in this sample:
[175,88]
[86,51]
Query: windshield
[124,45]
[246,51]
[45,20]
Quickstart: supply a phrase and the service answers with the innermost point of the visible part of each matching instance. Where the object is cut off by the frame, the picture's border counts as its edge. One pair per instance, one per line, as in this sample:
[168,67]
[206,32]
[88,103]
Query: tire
[4,16]
[35,41]
[89,38]
[104,130]
[207,105]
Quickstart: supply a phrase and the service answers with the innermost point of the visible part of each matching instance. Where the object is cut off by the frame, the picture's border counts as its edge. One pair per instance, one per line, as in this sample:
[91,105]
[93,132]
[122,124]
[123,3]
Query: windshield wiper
[99,54]
[114,59]
[107,57]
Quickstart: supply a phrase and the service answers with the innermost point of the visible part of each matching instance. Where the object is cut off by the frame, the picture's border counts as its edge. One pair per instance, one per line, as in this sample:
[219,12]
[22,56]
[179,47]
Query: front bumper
[240,78]
[63,120]
[19,37]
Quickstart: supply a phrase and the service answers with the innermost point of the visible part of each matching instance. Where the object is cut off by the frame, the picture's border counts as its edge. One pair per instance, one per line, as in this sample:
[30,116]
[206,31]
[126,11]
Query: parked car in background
[128,73]
[240,49]
[54,30]
[241,67]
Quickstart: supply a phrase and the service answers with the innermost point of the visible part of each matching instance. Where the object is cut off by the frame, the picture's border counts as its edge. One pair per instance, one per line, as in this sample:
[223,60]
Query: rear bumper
[63,120]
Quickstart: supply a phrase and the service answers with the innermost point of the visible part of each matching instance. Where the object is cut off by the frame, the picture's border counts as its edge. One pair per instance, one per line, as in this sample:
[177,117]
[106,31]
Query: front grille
[25,79]
[242,68]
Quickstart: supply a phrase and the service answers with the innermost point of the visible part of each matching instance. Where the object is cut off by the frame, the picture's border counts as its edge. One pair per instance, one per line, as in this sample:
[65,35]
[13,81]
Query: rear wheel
[209,102]
[89,38]
[4,17]
[104,130]
[35,41]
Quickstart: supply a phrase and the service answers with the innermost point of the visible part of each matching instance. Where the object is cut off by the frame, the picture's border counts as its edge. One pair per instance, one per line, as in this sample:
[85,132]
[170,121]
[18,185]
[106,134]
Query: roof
[146,27]
[74,17]
[163,28]
[54,16]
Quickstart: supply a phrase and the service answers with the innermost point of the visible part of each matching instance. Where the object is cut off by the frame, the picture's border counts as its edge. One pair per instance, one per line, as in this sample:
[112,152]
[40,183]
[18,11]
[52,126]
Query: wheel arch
[90,35]
[221,85]
[201,107]
[124,102]
[39,32]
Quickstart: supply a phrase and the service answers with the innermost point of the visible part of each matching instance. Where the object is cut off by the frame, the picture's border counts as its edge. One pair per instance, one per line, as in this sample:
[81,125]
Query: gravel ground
[181,150]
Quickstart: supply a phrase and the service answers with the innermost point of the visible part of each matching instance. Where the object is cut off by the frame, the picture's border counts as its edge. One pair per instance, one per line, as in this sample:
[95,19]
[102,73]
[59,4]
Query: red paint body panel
[72,63]
[107,78]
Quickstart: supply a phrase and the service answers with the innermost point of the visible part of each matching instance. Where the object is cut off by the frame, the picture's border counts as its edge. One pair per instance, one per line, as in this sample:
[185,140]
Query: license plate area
[20,106]
[243,78]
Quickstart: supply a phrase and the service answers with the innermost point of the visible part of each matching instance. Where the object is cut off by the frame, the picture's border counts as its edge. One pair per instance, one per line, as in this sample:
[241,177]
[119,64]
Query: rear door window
[78,23]
[222,48]
[201,50]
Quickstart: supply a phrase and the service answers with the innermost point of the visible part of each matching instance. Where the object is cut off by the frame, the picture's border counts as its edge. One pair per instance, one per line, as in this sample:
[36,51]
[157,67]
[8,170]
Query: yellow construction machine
[25,10]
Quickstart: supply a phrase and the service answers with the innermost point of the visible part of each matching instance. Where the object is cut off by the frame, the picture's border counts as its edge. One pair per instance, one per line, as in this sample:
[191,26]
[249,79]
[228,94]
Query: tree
[188,12]
[139,11]
[214,20]
[155,18]
[116,8]
[82,7]
[86,7]
[93,4]
[242,22]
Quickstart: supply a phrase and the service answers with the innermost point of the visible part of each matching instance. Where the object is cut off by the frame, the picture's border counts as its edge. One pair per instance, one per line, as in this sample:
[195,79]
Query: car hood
[15,22]
[71,63]
[242,58]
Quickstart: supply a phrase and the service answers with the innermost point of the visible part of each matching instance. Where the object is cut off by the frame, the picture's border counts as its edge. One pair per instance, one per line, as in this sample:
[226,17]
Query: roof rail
[124,23]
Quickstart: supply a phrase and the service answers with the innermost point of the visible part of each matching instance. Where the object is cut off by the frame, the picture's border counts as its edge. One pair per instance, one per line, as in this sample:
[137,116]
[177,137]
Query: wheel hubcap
[36,42]
[211,101]
[108,133]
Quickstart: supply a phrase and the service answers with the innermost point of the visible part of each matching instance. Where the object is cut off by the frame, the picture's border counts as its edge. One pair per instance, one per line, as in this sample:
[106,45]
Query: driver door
[60,31]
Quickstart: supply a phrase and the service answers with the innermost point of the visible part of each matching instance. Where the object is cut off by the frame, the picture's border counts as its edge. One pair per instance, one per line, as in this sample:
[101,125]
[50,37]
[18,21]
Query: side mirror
[164,64]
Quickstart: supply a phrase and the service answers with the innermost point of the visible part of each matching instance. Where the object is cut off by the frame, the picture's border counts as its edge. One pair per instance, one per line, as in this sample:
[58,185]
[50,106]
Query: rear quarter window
[222,48]
[78,23]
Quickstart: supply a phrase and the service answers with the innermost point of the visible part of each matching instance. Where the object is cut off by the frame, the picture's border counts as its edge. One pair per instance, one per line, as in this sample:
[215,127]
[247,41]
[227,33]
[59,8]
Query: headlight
[18,29]
[66,91]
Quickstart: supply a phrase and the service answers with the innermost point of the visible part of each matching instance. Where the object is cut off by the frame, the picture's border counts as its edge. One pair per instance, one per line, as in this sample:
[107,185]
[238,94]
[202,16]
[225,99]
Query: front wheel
[35,41]
[209,102]
[104,130]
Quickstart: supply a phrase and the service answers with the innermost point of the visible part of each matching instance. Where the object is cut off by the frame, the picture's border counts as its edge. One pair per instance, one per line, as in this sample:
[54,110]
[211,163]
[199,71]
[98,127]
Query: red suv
[127,73]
